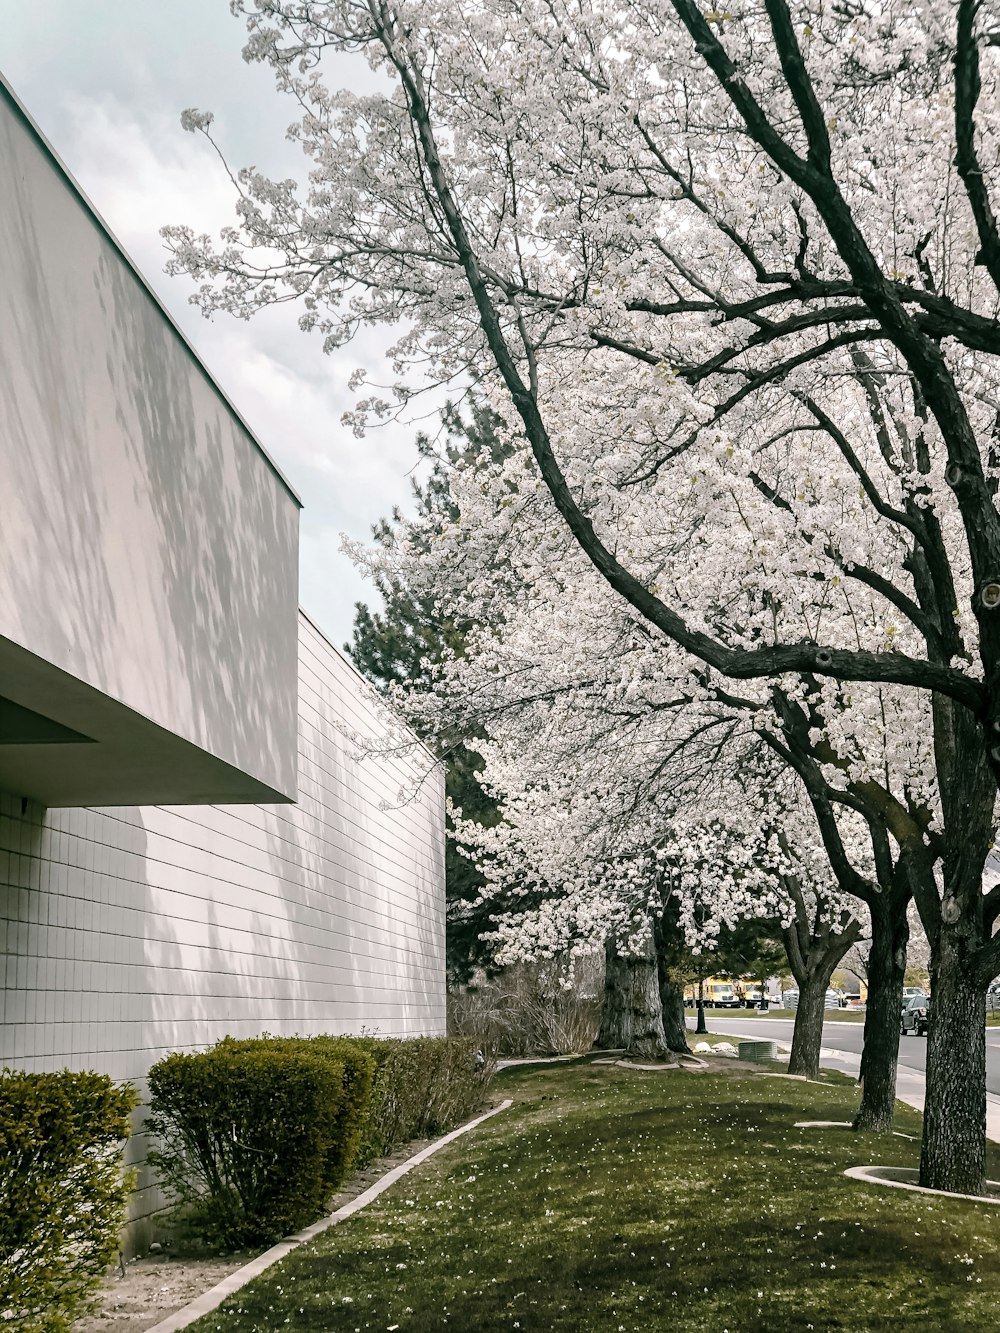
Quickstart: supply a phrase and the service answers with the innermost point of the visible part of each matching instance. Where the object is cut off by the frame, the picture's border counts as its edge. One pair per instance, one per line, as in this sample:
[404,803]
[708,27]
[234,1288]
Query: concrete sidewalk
[910,1083]
[910,1086]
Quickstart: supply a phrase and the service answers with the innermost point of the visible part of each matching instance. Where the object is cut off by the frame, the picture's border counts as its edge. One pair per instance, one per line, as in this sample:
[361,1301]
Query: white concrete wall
[132,932]
[148,546]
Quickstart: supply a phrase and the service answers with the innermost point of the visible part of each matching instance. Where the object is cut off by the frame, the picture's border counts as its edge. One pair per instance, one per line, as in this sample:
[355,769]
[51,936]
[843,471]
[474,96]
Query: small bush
[62,1193]
[550,1007]
[246,1133]
[358,1072]
[256,1134]
[422,1085]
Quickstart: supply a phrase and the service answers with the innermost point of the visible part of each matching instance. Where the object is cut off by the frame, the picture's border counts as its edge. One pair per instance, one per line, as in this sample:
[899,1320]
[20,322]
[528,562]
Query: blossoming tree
[586,708]
[621,823]
[737,277]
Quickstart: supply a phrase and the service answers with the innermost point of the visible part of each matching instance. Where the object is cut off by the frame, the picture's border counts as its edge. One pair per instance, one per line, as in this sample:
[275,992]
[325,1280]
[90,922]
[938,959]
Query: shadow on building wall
[150,548]
[212,494]
[73,895]
[41,373]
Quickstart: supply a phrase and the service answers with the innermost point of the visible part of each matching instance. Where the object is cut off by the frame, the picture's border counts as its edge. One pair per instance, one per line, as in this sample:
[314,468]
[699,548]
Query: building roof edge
[380,698]
[23,114]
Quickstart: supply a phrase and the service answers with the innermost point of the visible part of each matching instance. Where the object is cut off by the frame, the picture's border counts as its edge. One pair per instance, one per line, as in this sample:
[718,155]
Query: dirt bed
[155,1285]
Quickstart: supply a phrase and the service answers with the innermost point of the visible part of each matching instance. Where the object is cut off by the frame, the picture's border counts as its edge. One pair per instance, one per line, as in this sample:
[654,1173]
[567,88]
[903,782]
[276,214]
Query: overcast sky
[106,80]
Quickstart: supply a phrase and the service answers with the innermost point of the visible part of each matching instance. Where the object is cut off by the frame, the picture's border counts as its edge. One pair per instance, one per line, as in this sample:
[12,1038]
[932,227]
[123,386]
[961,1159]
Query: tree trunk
[672,1004]
[886,971]
[814,947]
[807,1035]
[670,945]
[953,1150]
[611,1034]
[632,1016]
[952,1154]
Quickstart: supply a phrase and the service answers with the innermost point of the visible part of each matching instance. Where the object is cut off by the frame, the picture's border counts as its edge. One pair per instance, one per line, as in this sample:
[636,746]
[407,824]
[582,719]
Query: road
[848,1037]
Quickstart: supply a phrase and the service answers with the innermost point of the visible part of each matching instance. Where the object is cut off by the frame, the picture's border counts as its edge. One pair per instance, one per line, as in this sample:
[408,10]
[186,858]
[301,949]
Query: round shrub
[62,1193]
[423,1085]
[245,1132]
[358,1071]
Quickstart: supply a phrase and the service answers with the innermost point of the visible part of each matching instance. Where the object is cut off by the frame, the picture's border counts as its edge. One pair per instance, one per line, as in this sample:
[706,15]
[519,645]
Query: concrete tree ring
[907,1178]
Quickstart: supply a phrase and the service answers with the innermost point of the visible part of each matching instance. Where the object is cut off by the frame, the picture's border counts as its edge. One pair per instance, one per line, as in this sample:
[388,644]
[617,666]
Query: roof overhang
[64,743]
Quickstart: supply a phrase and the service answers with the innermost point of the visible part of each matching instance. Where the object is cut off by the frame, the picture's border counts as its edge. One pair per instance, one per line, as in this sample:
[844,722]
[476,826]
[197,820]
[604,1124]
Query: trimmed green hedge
[257,1134]
[422,1085]
[358,1070]
[62,1193]
[246,1136]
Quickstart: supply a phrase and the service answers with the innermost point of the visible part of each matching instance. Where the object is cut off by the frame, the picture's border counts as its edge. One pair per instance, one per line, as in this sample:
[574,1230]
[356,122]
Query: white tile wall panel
[128,933]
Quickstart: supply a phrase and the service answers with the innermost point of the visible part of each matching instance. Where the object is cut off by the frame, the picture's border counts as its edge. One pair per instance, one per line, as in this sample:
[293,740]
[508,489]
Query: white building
[189,846]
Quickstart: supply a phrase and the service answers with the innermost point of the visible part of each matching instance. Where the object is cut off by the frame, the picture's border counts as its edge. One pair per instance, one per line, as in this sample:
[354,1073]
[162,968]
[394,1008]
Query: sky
[106,81]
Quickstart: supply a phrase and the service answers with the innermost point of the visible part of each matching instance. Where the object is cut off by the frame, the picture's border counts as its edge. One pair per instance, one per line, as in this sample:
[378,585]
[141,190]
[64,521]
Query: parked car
[913,993]
[993,999]
[790,999]
[916,1015]
[851,999]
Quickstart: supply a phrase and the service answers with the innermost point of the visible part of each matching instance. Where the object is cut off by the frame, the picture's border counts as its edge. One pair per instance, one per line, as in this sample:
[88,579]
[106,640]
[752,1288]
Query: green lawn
[829,1016]
[610,1200]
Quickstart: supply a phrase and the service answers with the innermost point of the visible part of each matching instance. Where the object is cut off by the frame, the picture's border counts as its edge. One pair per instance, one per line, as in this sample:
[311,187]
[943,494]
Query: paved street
[842,1050]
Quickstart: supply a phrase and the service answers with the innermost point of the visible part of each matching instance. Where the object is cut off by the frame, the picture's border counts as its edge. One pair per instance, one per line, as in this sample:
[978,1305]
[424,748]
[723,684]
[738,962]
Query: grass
[829,1015]
[608,1200]
[712,1039]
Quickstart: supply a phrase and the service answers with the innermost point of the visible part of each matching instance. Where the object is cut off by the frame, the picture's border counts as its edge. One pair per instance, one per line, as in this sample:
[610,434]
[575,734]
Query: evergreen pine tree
[399,644]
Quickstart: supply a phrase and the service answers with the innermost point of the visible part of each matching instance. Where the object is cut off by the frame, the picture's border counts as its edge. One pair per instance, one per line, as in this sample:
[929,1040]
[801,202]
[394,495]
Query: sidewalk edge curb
[210,1300]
